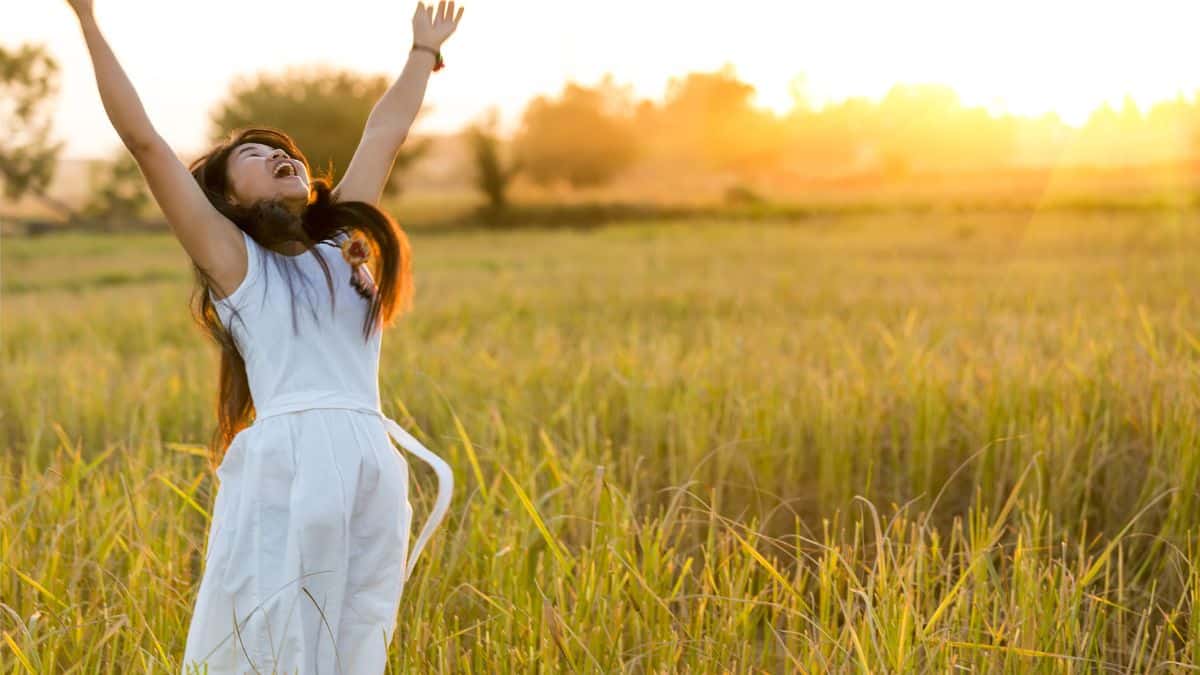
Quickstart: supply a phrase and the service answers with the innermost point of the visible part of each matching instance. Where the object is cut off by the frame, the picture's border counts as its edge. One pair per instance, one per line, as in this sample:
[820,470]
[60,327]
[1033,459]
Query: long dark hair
[269,223]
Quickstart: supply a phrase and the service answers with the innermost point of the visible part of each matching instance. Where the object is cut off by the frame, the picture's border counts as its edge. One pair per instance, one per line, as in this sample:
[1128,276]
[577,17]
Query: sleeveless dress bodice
[306,353]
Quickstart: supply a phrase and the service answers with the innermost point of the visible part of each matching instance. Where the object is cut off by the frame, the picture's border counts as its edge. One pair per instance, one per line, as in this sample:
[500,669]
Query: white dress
[308,544]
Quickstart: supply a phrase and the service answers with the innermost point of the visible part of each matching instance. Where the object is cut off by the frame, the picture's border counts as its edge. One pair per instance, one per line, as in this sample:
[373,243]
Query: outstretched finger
[441,13]
[459,16]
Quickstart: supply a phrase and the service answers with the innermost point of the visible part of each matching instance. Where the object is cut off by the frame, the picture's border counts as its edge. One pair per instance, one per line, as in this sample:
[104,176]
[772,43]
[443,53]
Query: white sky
[1026,56]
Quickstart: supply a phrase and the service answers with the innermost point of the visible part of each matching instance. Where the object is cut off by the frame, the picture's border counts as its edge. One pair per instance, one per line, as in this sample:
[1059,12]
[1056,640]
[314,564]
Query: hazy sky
[1025,56]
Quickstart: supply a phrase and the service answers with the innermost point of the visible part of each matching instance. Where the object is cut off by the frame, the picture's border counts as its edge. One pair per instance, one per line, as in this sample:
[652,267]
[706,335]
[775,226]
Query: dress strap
[445,486]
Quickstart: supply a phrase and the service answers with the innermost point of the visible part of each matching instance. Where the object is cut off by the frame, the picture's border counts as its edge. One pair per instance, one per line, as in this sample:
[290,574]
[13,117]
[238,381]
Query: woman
[307,552]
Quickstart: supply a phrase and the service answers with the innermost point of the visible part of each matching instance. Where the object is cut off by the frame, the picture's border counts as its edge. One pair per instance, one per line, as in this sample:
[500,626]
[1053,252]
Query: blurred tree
[585,137]
[323,109]
[830,140]
[925,126]
[28,158]
[708,118]
[1177,128]
[492,177]
[119,194]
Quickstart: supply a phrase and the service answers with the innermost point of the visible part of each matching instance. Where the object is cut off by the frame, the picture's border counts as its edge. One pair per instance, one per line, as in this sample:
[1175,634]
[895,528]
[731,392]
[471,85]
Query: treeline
[710,121]
[590,135]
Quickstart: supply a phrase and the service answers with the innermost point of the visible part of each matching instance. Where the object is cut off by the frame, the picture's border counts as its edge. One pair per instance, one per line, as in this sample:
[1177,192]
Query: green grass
[867,443]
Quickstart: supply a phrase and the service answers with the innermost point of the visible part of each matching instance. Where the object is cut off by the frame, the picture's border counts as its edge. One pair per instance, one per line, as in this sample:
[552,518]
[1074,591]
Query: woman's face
[257,171]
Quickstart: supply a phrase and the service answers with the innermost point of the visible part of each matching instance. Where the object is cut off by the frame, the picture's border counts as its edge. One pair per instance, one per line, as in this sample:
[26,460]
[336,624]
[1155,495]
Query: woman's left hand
[432,30]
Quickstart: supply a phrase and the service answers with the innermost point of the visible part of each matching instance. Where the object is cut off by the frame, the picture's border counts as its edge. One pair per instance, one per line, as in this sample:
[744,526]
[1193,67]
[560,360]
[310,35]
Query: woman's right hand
[81,7]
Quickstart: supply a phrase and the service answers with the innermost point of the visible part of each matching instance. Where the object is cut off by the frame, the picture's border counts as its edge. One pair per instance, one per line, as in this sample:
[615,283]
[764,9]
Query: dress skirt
[307,552]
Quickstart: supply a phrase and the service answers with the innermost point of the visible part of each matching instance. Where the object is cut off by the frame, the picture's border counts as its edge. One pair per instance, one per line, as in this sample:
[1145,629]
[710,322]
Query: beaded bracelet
[438,63]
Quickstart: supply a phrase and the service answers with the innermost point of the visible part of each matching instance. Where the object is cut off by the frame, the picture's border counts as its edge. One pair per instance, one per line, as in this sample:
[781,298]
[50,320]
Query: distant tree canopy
[584,137]
[913,127]
[927,126]
[28,87]
[708,118]
[323,109]
[119,191]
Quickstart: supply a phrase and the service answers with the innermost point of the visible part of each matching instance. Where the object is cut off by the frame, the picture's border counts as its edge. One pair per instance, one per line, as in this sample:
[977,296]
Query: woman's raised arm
[210,239]
[393,115]
[121,102]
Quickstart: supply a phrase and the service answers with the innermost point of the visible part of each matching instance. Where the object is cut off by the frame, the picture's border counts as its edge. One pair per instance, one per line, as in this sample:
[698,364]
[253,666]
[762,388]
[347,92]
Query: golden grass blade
[537,521]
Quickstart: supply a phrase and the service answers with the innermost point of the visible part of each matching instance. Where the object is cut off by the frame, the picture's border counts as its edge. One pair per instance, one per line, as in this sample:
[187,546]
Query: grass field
[911,443]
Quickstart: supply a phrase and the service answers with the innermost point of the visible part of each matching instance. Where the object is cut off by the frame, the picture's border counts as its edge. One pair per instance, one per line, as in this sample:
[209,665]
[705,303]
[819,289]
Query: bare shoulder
[227,260]
[212,241]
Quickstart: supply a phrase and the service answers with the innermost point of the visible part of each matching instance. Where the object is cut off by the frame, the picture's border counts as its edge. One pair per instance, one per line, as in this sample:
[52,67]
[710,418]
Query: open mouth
[286,170]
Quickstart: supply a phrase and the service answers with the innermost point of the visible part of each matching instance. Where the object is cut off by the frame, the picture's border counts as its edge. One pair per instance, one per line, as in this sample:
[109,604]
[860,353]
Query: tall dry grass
[857,444]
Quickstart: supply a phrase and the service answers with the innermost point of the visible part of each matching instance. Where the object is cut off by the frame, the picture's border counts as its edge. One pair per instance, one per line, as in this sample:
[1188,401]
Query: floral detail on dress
[357,252]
